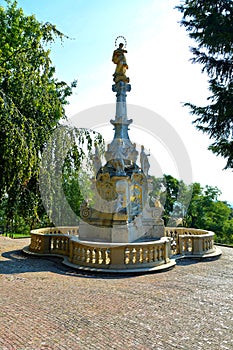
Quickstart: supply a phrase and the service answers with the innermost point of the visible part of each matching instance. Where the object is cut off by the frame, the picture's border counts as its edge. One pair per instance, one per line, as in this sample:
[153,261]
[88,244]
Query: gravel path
[47,306]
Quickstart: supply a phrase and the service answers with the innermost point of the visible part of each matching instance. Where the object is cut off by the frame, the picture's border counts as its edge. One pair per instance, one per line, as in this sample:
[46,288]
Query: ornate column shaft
[121,108]
[121,147]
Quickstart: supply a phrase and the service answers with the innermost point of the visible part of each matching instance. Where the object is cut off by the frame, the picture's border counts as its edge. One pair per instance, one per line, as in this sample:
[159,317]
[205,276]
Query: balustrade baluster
[131,256]
[204,245]
[155,253]
[88,256]
[93,255]
[83,254]
[60,243]
[188,245]
[108,256]
[52,244]
[158,253]
[67,244]
[79,253]
[184,245]
[127,259]
[138,255]
[103,256]
[73,255]
[98,256]
[162,253]
[150,255]
[144,255]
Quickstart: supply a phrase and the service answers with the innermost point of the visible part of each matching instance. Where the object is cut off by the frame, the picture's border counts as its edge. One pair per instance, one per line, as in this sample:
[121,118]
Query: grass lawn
[17,235]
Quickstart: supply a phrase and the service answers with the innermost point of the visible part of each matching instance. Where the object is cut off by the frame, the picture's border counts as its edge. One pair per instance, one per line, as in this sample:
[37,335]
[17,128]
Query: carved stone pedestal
[116,233]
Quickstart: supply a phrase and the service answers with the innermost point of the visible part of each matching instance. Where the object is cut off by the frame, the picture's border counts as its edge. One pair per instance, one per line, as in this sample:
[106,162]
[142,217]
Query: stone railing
[141,256]
[190,241]
[67,230]
[49,244]
[52,240]
[120,256]
[111,256]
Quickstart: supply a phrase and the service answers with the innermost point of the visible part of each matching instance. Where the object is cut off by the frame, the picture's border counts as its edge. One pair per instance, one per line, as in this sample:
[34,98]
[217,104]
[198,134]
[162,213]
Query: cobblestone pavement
[47,306]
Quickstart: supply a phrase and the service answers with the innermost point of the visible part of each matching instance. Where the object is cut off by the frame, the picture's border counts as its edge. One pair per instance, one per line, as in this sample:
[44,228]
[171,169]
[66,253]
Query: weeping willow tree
[66,173]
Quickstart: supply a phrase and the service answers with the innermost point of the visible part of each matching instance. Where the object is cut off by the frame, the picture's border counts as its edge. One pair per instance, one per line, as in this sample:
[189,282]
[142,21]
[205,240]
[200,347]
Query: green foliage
[194,206]
[174,196]
[210,24]
[32,104]
[65,173]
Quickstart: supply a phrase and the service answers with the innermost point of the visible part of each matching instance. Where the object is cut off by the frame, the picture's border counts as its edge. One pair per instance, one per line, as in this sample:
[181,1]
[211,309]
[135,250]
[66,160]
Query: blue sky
[161,74]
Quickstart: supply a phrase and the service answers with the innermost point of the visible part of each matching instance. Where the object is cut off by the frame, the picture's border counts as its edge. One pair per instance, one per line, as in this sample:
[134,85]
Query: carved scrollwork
[85,211]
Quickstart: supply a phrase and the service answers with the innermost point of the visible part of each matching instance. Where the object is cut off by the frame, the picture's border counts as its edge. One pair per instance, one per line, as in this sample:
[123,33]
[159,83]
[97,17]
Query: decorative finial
[119,59]
[117,39]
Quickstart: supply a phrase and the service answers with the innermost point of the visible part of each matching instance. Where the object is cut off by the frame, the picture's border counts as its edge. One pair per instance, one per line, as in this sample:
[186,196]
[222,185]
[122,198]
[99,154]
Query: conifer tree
[210,24]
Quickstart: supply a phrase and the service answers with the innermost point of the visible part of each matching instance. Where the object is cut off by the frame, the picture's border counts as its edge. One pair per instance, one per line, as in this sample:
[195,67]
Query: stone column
[121,108]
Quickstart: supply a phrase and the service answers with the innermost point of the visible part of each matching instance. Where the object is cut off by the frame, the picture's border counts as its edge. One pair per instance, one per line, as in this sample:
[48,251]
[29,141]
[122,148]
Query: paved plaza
[47,306]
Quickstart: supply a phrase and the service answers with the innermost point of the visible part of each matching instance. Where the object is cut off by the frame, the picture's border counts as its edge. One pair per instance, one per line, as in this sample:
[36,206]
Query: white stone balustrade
[190,241]
[137,256]
[100,255]
[68,230]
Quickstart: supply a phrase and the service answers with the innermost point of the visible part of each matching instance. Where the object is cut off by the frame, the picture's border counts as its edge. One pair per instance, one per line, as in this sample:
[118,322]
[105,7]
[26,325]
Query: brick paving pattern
[47,306]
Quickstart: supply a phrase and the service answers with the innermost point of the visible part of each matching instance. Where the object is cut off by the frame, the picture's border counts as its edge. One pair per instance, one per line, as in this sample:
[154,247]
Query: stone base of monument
[115,228]
[152,230]
[124,233]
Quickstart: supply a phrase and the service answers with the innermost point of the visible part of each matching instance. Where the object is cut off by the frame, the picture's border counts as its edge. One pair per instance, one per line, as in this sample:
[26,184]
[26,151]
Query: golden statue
[119,59]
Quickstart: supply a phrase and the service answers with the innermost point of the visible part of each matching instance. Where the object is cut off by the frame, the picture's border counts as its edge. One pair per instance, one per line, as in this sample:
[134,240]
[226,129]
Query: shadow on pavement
[185,261]
[18,262]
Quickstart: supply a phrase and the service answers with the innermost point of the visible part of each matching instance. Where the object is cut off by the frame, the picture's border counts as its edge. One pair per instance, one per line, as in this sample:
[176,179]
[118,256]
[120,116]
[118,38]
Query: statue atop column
[145,165]
[119,59]
[96,160]
[120,210]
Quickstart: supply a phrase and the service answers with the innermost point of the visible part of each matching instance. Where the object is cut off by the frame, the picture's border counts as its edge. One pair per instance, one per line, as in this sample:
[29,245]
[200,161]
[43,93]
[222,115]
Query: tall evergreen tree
[210,24]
